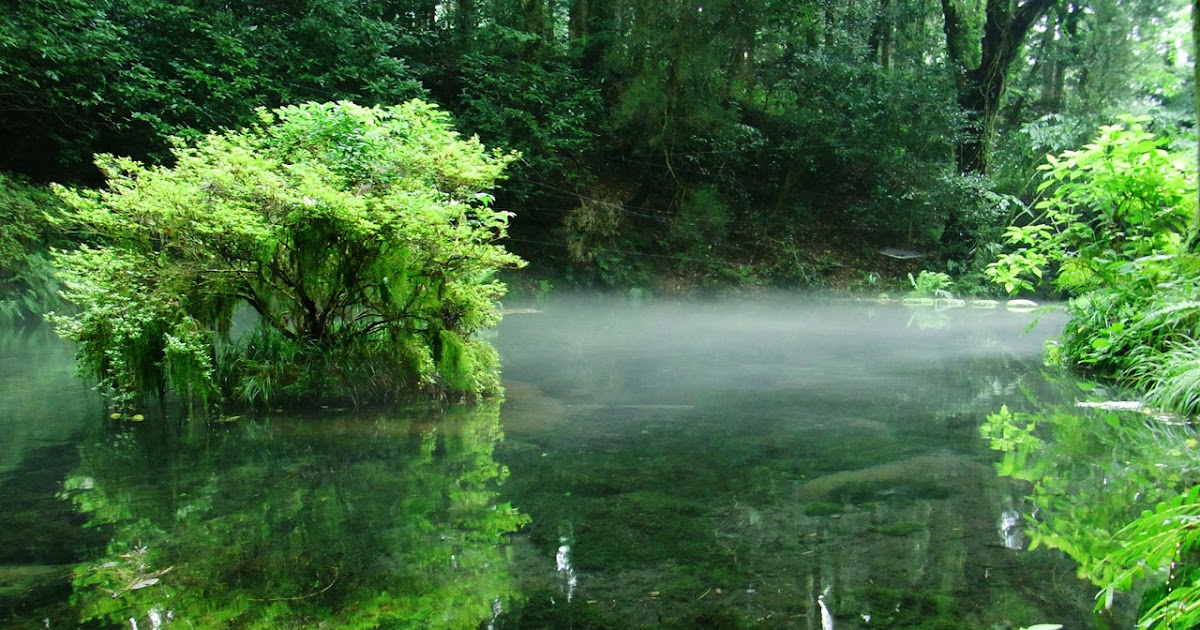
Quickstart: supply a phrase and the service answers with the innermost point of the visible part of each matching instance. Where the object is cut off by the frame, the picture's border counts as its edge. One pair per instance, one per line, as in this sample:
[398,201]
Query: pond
[774,464]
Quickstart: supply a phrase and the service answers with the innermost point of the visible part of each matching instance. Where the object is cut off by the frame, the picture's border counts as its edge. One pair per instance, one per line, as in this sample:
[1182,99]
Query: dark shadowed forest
[664,145]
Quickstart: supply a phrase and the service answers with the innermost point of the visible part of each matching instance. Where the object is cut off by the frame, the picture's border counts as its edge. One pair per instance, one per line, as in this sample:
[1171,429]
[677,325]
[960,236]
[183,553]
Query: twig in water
[299,597]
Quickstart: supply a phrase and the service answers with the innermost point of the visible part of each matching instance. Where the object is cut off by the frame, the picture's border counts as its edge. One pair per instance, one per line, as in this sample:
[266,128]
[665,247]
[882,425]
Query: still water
[774,464]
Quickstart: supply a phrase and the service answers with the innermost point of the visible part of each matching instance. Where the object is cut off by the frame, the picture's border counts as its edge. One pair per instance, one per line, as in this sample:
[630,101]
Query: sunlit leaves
[354,233]
[1091,475]
[1161,542]
[1119,199]
[1013,434]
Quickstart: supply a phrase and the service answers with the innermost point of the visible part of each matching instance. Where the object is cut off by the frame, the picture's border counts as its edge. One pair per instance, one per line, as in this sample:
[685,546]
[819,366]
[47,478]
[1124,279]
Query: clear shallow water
[792,465]
[44,412]
[775,464]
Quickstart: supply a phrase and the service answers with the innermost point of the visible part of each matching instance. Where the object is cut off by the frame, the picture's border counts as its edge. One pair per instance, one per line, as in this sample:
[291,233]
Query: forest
[666,146]
[371,176]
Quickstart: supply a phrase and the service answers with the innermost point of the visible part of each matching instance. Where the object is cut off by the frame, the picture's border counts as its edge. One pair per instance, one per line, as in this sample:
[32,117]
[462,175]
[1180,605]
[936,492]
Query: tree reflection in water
[1092,468]
[346,521]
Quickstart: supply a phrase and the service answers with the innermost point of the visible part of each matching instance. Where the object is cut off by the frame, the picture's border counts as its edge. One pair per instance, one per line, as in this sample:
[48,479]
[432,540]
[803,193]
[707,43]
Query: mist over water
[794,463]
[802,363]
[41,404]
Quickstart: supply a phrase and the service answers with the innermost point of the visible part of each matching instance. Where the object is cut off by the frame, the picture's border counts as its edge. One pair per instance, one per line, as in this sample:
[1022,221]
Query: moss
[546,609]
[822,508]
[871,491]
[908,609]
[899,528]
[713,618]
[922,477]
[638,528]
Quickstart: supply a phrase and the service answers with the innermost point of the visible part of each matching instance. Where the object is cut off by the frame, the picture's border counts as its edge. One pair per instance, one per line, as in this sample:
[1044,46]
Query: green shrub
[362,238]
[931,284]
[1117,201]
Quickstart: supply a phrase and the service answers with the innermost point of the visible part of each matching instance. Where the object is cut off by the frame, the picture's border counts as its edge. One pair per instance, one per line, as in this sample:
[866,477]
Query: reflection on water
[40,402]
[826,616]
[562,562]
[362,520]
[1092,467]
[1012,529]
[42,412]
[773,465]
[766,465]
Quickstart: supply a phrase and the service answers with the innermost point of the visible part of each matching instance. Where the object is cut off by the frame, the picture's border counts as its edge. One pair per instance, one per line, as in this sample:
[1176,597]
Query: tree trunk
[427,15]
[597,19]
[466,17]
[1051,67]
[577,19]
[743,19]
[879,44]
[981,87]
[1193,241]
[979,104]
[830,25]
[536,18]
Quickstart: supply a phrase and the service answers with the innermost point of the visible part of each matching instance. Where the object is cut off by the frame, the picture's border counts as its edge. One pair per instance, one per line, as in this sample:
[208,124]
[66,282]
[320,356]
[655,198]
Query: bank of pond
[766,464]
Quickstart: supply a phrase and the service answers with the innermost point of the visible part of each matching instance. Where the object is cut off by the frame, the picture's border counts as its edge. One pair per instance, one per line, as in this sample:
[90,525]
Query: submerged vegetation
[361,238]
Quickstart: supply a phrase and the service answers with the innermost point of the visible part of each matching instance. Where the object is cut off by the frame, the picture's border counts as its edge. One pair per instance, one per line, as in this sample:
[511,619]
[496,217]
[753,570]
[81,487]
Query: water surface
[766,464]
[774,464]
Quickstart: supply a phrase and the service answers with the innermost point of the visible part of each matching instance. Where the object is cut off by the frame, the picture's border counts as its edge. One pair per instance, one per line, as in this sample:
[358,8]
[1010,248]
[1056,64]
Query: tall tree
[1193,241]
[981,69]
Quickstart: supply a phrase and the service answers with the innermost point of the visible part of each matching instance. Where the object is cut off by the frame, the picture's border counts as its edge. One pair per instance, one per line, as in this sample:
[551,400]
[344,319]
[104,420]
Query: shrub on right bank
[1112,231]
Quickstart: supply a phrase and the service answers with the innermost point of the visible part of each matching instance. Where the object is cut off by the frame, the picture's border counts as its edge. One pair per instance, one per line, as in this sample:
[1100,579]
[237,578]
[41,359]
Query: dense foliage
[668,143]
[361,238]
[79,77]
[30,223]
[1114,234]
[742,141]
[1111,233]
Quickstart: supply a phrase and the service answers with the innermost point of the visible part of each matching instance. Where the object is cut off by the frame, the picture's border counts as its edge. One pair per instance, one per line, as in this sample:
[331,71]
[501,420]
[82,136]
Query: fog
[605,352]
